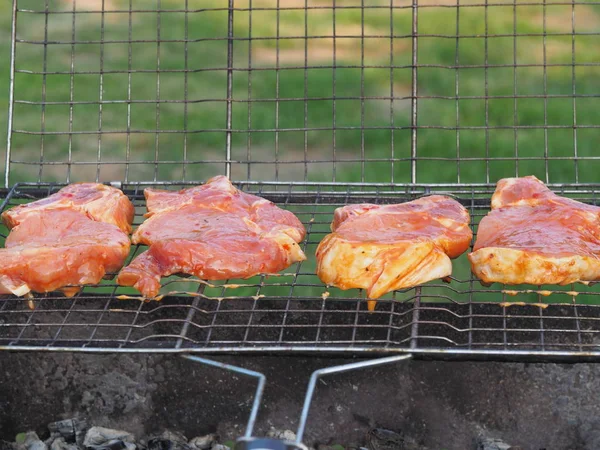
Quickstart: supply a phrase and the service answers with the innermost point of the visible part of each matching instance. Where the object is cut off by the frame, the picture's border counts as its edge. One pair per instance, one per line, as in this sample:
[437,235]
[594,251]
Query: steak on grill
[71,238]
[389,247]
[534,236]
[213,232]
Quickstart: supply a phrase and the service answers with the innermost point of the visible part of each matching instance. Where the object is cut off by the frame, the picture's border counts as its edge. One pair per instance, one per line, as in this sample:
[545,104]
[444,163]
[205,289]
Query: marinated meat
[71,238]
[382,248]
[534,236]
[213,232]
[99,202]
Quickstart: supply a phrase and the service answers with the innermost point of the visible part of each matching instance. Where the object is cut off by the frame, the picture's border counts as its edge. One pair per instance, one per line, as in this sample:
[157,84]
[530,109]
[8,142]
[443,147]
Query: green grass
[445,154]
[449,97]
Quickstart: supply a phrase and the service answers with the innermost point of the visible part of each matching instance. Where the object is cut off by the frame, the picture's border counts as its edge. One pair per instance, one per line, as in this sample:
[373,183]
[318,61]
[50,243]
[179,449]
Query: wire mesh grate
[312,104]
[296,312]
[347,91]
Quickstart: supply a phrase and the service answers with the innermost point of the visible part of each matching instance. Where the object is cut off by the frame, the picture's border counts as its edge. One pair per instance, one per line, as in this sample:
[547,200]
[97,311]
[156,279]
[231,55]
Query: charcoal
[99,438]
[382,439]
[33,442]
[203,442]
[159,443]
[169,440]
[61,444]
[286,435]
[73,430]
[492,444]
[220,447]
[174,436]
[4,445]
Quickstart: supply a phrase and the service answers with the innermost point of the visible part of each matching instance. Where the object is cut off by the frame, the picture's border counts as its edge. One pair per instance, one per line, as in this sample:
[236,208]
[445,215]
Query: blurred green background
[451,79]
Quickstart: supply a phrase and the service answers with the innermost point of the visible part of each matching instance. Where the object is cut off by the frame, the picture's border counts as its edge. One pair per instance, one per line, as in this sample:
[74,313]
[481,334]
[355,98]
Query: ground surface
[440,405]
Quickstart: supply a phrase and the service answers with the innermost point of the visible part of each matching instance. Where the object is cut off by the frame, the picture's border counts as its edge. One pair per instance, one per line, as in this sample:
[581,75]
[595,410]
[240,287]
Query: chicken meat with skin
[534,236]
[213,232]
[382,248]
[74,237]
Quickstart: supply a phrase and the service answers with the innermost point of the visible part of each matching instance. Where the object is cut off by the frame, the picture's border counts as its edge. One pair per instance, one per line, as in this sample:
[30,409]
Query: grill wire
[296,312]
[277,79]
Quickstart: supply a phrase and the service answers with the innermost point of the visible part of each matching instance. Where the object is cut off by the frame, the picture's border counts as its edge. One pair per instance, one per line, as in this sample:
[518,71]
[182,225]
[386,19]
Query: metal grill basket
[313,105]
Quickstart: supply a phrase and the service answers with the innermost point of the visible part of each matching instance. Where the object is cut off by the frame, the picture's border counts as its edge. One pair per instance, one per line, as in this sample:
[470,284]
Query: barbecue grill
[252,89]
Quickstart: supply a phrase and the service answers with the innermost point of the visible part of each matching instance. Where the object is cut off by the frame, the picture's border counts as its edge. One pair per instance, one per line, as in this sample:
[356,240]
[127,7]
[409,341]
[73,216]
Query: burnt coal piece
[75,434]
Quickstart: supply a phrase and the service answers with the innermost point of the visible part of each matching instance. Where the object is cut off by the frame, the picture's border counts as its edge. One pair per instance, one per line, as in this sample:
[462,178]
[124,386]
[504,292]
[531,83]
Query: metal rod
[450,188]
[71,93]
[486,94]
[574,90]
[414,91]
[229,90]
[433,352]
[338,369]
[100,92]
[189,317]
[457,90]
[185,91]
[250,100]
[392,120]
[11,94]
[250,373]
[362,91]
[545,61]
[157,110]
[515,90]
[428,5]
[44,91]
[129,70]
[414,333]
[333,102]
[277,84]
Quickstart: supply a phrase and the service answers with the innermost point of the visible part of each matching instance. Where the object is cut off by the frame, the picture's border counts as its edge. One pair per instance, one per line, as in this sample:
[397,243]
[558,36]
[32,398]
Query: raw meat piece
[534,236]
[213,232]
[71,238]
[382,248]
[100,202]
